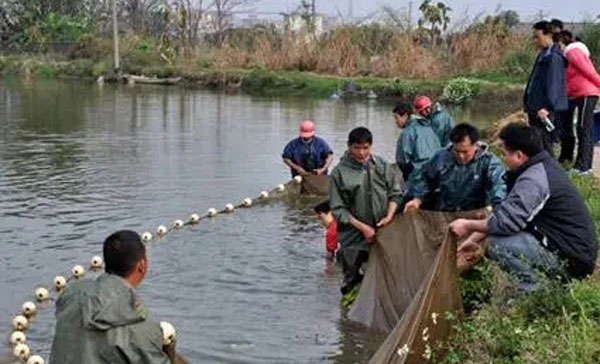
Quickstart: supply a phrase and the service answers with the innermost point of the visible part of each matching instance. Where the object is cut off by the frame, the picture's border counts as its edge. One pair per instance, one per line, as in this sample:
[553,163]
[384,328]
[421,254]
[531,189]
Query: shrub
[460,90]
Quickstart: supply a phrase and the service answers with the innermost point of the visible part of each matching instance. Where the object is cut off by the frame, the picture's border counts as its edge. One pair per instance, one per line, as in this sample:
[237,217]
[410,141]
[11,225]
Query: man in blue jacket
[543,225]
[308,153]
[546,95]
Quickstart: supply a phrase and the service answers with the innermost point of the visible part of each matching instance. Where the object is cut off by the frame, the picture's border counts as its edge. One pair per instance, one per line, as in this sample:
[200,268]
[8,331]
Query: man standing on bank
[546,95]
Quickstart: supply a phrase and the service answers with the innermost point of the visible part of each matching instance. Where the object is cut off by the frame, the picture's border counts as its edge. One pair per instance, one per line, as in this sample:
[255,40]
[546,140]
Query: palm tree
[437,16]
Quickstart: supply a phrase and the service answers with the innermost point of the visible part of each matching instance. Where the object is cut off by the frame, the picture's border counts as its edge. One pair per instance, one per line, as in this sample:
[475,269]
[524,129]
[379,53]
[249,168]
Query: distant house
[297,23]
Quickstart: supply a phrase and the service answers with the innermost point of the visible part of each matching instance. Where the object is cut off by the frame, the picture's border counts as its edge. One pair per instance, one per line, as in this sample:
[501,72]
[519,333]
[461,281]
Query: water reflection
[79,161]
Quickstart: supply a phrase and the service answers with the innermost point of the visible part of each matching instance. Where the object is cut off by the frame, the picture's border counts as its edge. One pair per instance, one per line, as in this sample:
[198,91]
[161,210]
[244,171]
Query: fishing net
[411,286]
[313,184]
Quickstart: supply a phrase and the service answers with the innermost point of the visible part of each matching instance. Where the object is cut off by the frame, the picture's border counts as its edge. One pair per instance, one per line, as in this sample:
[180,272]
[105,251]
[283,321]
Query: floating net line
[312,184]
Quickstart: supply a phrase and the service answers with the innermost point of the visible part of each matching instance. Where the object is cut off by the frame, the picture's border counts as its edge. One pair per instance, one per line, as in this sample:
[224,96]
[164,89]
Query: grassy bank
[260,81]
[556,324]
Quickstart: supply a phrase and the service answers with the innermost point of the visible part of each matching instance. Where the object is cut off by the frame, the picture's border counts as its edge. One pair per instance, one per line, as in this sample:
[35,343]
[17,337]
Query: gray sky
[568,10]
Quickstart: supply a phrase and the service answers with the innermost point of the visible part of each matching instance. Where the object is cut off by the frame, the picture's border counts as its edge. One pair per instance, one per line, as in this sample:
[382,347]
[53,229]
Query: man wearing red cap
[308,153]
[441,121]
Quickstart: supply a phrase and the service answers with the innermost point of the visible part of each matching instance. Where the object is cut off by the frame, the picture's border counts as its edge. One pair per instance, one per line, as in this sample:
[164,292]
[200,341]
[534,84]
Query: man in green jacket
[441,121]
[467,174]
[416,145]
[364,193]
[102,321]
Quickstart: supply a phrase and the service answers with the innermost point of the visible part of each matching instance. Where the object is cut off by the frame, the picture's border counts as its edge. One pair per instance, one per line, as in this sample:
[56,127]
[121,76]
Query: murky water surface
[79,161]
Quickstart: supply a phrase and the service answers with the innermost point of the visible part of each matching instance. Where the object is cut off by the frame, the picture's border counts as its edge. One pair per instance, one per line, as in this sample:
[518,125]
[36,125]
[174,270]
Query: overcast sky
[569,10]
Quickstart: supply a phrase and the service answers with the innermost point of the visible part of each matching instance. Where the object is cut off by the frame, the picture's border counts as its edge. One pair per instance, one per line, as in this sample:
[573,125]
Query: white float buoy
[281,188]
[147,236]
[29,309]
[178,224]
[36,359]
[229,208]
[264,194]
[298,179]
[194,218]
[247,202]
[162,230]
[60,283]
[212,212]
[18,337]
[42,294]
[21,351]
[96,262]
[78,271]
[169,333]
[20,323]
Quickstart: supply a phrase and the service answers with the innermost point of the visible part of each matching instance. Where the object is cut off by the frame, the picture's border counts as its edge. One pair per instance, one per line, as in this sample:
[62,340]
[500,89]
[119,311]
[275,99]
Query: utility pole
[313,9]
[350,10]
[116,38]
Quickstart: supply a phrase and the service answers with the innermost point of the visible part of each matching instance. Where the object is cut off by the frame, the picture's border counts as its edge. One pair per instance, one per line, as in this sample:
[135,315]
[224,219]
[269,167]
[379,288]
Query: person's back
[101,321]
[417,144]
[442,124]
[563,222]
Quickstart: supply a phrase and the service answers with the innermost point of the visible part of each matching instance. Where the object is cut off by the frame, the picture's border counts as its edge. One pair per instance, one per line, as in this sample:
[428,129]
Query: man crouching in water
[103,321]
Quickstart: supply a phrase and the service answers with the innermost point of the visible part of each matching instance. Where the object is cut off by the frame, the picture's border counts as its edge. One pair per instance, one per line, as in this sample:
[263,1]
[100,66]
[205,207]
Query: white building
[298,23]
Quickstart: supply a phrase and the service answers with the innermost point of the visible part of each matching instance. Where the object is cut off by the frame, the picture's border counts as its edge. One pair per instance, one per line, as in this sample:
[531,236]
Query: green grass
[256,81]
[555,324]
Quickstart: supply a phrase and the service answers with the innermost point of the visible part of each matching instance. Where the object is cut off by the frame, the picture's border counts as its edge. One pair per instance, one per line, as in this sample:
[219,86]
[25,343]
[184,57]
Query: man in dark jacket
[103,321]
[467,175]
[546,95]
[543,226]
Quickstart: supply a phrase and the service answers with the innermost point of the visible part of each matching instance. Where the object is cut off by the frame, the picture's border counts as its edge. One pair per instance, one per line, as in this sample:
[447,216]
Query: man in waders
[308,153]
[441,121]
[466,175]
[103,321]
[364,194]
[416,145]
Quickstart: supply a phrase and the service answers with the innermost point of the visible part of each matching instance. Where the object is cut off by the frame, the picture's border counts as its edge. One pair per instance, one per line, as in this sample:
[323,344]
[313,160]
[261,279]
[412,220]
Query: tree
[195,11]
[223,16]
[510,18]
[437,16]
[138,12]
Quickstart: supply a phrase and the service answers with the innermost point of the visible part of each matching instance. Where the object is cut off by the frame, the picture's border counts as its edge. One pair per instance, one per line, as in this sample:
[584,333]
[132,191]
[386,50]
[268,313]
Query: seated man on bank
[308,153]
[103,321]
[416,145]
[543,226]
[467,175]
[364,194]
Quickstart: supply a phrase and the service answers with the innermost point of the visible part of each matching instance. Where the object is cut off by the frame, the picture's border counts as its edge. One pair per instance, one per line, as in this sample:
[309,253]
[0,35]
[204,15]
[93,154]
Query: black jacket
[547,87]
[542,201]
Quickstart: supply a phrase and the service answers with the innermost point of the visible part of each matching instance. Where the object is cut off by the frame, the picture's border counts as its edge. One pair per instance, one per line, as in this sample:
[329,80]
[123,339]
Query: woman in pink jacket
[583,89]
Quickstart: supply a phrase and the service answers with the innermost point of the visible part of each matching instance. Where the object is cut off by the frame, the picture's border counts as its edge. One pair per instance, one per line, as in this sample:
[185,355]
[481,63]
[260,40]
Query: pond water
[79,161]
